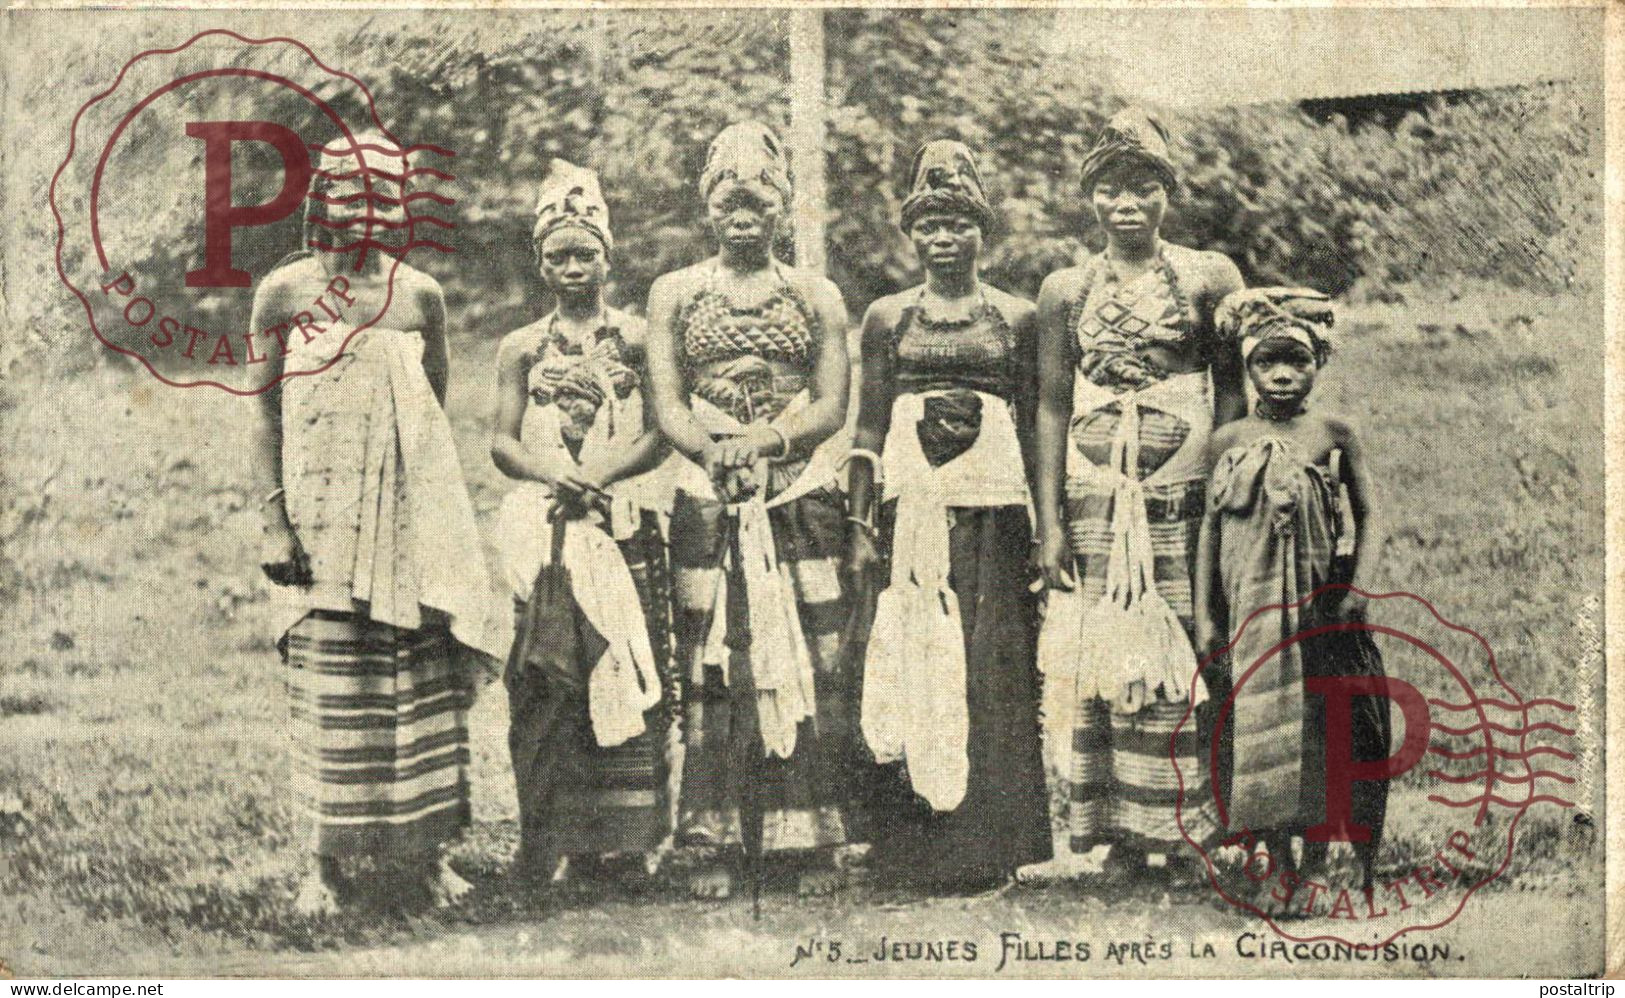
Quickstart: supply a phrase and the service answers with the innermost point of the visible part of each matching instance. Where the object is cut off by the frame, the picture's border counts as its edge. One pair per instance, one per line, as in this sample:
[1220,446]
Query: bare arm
[281,557]
[1229,393]
[875,392]
[1025,329]
[667,390]
[1206,592]
[831,381]
[436,353]
[1369,526]
[271,301]
[1054,412]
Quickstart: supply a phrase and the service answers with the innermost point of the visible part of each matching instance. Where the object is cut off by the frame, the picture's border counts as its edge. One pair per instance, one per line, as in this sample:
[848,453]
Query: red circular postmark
[189,180]
[1484,759]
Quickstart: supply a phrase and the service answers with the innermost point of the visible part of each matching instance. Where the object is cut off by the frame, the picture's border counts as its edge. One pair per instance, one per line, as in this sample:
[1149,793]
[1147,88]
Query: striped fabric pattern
[803,797]
[380,734]
[1277,535]
[1123,787]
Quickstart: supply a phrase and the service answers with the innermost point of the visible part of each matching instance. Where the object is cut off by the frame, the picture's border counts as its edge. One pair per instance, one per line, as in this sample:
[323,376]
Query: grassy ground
[144,825]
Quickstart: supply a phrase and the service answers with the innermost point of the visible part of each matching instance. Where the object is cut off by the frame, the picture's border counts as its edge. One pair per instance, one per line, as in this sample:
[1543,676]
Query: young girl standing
[583,554]
[1269,541]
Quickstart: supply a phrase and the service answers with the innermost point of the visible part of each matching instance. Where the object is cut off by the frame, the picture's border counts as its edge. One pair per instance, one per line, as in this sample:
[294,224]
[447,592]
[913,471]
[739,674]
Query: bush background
[1496,185]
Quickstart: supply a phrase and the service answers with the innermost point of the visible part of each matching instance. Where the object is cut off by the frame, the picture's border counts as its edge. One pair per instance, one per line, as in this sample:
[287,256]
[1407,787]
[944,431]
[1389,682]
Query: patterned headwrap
[1257,314]
[570,197]
[944,181]
[746,150]
[1134,135]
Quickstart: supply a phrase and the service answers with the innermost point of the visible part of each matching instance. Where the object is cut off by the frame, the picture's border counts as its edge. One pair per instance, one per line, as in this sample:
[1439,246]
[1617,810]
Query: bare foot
[561,872]
[447,888]
[713,884]
[820,883]
[315,899]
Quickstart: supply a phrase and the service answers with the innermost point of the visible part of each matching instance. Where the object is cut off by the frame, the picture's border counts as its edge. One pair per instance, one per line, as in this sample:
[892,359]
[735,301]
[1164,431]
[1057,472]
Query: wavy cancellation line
[375,197]
[1483,799]
[383,223]
[1527,729]
[374,171]
[368,243]
[1478,702]
[1486,774]
[339,149]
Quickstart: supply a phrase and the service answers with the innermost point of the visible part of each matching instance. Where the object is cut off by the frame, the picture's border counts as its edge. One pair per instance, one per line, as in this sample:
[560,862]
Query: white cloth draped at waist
[1129,647]
[375,493]
[1186,396]
[914,687]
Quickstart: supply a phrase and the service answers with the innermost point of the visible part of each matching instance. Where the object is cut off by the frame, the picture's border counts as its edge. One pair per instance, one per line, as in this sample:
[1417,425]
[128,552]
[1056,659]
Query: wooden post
[807,134]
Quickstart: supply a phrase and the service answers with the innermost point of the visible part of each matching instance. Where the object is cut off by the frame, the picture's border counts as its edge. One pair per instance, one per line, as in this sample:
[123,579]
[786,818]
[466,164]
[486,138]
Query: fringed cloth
[914,678]
[1277,535]
[578,796]
[777,728]
[1119,669]
[591,693]
[380,734]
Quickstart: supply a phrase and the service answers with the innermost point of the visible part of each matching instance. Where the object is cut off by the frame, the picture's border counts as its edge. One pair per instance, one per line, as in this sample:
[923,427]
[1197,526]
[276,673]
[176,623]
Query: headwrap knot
[570,197]
[1131,134]
[944,180]
[1254,315]
[746,150]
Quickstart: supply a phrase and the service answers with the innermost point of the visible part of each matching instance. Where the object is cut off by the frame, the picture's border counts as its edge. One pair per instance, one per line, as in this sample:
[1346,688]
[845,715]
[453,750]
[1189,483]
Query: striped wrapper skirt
[1121,786]
[380,734]
[803,801]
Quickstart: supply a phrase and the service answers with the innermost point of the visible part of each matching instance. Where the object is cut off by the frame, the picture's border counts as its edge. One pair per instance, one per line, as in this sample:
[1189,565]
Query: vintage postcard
[1066,491]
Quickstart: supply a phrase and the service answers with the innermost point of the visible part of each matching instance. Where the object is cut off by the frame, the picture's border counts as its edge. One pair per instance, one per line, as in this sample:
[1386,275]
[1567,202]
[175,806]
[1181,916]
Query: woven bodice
[730,351]
[976,352]
[1114,322]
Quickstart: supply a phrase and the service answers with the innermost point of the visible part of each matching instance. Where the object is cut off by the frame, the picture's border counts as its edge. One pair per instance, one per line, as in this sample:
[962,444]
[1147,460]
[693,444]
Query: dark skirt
[727,776]
[575,797]
[1003,821]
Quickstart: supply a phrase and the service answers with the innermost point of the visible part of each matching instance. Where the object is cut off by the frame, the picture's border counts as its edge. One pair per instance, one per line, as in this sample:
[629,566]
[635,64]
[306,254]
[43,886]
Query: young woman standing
[1131,384]
[950,687]
[583,554]
[748,375]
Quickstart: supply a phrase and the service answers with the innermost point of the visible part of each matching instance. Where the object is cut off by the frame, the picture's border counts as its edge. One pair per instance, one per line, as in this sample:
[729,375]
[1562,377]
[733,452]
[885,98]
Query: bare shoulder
[676,283]
[815,287]
[1212,271]
[888,310]
[520,346]
[286,282]
[1341,429]
[1064,284]
[1014,308]
[413,283]
[1228,435]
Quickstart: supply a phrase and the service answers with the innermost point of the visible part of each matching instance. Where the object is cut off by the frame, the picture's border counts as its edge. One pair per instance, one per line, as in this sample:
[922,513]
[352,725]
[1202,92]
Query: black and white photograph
[808,493]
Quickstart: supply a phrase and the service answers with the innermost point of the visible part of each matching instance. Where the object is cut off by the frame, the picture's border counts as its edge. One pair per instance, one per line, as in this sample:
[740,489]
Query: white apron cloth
[914,683]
